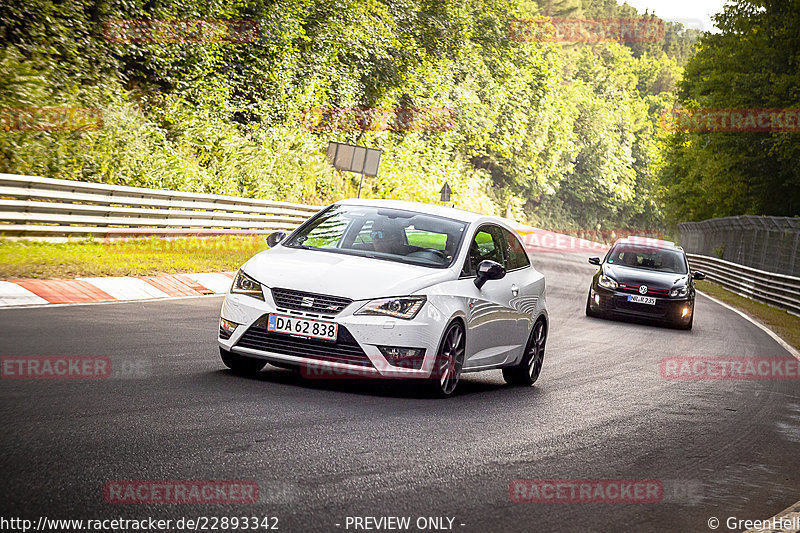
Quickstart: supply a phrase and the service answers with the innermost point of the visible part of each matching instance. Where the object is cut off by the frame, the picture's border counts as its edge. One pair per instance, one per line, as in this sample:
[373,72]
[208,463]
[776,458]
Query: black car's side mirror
[594,260]
[275,238]
[698,275]
[489,270]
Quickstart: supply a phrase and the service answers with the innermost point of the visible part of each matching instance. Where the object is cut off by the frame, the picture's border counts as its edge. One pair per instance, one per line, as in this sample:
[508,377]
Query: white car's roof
[419,207]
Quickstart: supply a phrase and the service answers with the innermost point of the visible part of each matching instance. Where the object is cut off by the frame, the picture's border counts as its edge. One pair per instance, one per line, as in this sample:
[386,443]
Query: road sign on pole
[445,192]
[354,158]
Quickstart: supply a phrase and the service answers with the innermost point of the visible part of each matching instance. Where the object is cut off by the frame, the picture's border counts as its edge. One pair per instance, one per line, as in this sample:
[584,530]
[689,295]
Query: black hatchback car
[644,278]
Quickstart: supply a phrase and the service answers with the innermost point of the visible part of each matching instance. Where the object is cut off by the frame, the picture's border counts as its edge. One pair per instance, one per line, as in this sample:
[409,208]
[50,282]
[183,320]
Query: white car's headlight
[244,284]
[607,282]
[406,307]
[679,291]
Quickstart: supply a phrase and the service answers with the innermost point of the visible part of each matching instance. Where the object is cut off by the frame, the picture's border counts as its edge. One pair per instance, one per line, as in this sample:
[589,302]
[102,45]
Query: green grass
[132,257]
[786,325]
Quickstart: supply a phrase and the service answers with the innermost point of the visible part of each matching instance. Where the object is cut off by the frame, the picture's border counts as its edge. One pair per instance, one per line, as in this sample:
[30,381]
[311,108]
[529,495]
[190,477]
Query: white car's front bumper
[423,331]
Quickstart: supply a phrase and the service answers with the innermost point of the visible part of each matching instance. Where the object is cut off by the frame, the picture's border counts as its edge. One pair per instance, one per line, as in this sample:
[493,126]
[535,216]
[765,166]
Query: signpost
[354,158]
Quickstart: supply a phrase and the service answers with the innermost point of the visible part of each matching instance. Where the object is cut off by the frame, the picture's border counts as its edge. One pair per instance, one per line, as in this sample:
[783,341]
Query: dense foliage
[753,63]
[558,134]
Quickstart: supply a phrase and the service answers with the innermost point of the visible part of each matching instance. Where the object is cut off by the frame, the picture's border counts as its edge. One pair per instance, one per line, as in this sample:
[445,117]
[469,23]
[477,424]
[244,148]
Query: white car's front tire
[240,364]
[527,371]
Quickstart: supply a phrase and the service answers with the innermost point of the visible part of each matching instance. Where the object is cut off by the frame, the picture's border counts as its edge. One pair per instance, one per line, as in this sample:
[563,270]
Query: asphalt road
[322,451]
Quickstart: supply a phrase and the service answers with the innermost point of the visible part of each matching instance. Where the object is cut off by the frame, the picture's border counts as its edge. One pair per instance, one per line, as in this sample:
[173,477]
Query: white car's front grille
[309,302]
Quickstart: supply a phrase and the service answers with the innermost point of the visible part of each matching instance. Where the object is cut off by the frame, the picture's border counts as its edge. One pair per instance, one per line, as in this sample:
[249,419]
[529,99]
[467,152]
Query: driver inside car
[387,238]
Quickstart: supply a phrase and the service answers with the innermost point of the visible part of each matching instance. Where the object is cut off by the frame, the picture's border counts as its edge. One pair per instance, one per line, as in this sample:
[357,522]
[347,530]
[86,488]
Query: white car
[384,288]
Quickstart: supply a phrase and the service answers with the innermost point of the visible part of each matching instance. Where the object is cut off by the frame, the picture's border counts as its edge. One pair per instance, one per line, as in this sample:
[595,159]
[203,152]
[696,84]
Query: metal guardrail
[766,287]
[34,206]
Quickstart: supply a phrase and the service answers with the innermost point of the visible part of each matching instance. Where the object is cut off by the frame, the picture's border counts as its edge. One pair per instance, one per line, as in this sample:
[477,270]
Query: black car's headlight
[607,282]
[244,284]
[679,291]
[406,307]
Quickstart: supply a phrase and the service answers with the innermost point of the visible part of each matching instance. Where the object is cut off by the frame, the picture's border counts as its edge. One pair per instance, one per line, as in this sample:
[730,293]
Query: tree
[753,63]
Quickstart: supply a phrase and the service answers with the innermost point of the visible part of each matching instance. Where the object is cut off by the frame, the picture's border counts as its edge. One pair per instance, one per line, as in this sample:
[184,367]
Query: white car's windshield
[660,259]
[383,233]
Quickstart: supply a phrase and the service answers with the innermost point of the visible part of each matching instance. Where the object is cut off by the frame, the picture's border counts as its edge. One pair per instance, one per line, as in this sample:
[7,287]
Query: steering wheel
[438,253]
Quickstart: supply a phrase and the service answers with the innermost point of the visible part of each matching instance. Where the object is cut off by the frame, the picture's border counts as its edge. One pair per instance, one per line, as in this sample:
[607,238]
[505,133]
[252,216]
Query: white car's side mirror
[489,270]
[275,238]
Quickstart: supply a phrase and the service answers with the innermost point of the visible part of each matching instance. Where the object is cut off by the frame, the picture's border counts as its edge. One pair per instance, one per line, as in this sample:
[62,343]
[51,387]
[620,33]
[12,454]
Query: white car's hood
[357,278]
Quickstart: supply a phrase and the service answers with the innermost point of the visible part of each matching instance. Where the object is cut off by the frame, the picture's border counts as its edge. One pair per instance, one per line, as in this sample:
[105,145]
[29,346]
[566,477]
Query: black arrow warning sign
[445,192]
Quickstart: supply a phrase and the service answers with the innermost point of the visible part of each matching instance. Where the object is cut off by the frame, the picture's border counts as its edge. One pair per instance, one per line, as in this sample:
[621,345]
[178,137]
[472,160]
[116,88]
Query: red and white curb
[34,292]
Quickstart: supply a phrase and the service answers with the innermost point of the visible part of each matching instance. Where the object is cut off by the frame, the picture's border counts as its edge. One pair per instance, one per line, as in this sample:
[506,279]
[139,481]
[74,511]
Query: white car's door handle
[514,290]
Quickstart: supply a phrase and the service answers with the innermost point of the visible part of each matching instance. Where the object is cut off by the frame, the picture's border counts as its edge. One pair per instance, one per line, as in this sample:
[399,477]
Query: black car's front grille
[308,301]
[650,290]
[345,350]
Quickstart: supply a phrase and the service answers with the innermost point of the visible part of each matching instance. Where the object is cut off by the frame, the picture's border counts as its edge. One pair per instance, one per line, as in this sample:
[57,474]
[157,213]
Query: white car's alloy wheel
[450,360]
[535,353]
[527,371]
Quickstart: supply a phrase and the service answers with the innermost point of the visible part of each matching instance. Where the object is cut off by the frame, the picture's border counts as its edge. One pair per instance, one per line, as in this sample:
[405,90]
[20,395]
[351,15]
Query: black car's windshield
[383,233]
[649,258]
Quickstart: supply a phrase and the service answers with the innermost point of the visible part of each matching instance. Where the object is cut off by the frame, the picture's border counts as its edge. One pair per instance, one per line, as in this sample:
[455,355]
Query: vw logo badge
[643,289]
